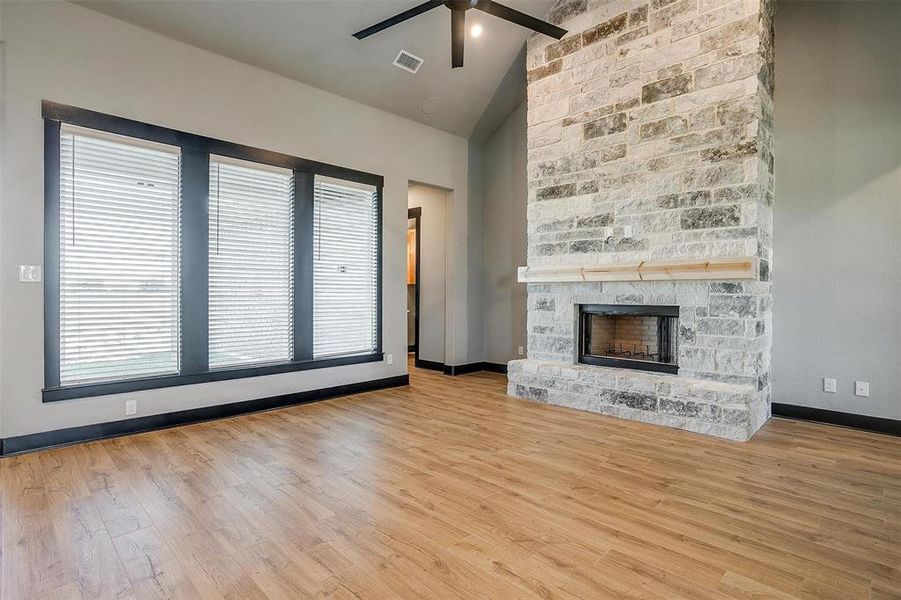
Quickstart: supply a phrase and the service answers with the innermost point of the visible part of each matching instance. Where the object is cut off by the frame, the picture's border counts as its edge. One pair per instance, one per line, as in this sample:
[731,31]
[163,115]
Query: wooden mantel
[665,270]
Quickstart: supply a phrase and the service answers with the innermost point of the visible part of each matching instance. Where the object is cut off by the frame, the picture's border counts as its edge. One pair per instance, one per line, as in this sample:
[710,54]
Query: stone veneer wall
[654,116]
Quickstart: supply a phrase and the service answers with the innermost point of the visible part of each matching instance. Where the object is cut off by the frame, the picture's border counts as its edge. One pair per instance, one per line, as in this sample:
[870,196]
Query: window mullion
[194,272]
[303,266]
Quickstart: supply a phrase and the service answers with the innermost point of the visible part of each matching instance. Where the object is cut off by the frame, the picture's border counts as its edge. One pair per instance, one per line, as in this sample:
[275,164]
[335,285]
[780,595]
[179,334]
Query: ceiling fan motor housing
[461,4]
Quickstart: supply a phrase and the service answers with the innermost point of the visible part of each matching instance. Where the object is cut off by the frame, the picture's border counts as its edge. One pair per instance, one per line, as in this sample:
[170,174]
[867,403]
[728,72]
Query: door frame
[416,215]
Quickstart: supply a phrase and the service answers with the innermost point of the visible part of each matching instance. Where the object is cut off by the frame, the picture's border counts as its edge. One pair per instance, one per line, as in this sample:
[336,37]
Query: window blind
[345,268]
[250,266]
[119,257]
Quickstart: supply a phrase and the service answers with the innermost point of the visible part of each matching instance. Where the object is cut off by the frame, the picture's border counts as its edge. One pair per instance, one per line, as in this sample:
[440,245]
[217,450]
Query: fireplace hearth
[629,336]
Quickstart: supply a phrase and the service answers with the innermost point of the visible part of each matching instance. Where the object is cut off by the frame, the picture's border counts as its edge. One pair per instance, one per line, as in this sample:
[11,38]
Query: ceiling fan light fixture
[458,9]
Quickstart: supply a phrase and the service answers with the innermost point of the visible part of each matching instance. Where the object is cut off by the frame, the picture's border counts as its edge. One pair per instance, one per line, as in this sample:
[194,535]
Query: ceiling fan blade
[399,18]
[458,37]
[520,18]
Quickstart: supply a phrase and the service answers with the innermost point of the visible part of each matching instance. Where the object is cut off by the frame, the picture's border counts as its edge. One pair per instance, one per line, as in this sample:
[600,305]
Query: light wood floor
[450,489]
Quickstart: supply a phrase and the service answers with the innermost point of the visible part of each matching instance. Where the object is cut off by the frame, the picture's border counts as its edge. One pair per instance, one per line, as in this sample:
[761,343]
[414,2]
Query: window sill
[88,390]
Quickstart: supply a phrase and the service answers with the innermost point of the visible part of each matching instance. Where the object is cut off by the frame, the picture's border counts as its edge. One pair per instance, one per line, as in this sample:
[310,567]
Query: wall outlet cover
[829,385]
[30,273]
[131,407]
[862,388]
[389,358]
[519,350]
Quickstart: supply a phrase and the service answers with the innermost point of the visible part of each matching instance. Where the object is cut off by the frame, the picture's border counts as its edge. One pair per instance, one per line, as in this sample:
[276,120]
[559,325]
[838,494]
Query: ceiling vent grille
[407,61]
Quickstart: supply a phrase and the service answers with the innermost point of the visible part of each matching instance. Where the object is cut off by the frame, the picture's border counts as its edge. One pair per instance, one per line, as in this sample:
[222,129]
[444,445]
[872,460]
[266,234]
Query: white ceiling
[310,41]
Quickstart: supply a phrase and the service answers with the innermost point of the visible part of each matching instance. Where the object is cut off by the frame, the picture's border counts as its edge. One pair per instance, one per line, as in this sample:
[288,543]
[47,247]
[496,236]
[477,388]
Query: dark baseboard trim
[84,433]
[474,367]
[820,415]
[429,364]
[462,369]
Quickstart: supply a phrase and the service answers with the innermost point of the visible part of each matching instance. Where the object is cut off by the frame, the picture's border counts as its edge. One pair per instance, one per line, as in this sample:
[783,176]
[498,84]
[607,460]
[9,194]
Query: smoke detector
[408,62]
[431,104]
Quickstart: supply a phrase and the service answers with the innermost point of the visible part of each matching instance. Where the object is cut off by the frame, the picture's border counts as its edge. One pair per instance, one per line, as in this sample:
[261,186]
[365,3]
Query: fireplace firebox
[629,336]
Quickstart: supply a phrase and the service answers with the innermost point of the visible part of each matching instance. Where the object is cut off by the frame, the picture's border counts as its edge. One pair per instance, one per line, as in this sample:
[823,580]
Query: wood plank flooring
[450,489]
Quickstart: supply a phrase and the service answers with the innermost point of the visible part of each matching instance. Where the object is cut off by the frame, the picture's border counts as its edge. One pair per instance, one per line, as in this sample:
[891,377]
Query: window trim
[194,299]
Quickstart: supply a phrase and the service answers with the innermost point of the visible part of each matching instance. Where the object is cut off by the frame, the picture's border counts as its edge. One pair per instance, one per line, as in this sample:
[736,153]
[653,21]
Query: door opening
[414,218]
[428,209]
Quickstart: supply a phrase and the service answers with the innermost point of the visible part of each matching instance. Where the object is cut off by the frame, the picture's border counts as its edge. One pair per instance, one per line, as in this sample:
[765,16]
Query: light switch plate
[519,350]
[829,385]
[862,388]
[30,273]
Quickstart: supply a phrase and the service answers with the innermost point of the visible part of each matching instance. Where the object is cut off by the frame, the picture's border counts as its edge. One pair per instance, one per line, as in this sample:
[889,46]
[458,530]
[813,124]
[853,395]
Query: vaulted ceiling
[310,41]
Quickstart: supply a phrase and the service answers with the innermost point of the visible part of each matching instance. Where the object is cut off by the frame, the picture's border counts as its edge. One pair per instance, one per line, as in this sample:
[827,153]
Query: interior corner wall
[837,221]
[504,239]
[66,53]
[475,230]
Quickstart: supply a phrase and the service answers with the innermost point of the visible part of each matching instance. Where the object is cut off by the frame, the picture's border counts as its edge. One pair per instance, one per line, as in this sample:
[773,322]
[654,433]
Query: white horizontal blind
[251,263]
[119,257]
[345,268]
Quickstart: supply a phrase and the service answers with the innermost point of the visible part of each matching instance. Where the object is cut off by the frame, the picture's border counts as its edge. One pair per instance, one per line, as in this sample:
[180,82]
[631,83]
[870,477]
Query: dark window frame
[194,274]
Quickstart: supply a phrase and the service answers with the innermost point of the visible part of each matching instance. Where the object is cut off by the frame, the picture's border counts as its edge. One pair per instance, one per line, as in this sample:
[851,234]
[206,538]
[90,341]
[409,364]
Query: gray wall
[432,263]
[504,239]
[837,230]
[66,53]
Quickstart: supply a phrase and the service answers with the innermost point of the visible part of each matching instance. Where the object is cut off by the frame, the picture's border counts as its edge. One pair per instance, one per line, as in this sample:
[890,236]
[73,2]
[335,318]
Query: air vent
[407,61]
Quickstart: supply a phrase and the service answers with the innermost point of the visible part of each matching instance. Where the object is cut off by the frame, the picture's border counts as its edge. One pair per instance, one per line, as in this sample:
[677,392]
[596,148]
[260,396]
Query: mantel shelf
[668,270]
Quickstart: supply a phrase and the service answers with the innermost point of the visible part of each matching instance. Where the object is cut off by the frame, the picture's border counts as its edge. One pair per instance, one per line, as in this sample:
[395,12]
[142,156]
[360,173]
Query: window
[172,258]
[345,268]
[118,257]
[251,254]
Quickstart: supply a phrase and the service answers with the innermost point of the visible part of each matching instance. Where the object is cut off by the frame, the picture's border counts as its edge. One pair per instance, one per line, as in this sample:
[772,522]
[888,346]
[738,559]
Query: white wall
[69,54]
[504,243]
[433,272]
[837,221]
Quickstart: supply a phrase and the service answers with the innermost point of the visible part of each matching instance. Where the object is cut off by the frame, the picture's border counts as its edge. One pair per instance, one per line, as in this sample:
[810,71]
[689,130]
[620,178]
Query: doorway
[414,252]
[427,275]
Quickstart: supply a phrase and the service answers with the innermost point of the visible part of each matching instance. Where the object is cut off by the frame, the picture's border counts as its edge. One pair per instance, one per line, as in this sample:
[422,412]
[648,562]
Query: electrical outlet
[131,407]
[862,388]
[389,358]
[627,231]
[520,351]
[829,385]
[30,273]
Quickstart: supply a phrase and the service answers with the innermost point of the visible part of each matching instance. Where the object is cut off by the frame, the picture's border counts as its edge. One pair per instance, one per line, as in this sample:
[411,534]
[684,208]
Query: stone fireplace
[651,188]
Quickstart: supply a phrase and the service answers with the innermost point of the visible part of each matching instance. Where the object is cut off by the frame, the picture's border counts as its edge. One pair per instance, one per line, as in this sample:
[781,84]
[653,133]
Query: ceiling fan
[458,10]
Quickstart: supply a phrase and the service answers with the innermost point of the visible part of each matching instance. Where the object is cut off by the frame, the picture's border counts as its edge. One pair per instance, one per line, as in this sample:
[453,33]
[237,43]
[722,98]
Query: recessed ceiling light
[476,30]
